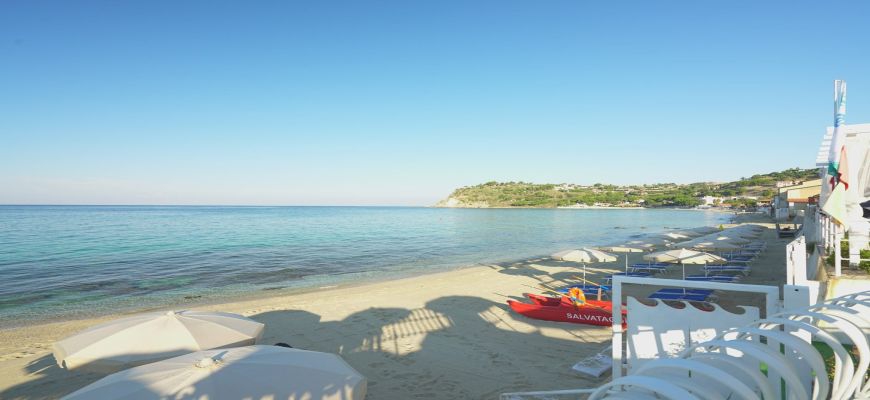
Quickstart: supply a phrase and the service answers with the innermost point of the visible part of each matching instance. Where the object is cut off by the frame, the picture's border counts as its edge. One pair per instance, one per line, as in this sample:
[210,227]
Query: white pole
[838,258]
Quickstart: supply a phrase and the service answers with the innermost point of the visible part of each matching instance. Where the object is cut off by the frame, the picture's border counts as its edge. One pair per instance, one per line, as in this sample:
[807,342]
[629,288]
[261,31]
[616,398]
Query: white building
[710,200]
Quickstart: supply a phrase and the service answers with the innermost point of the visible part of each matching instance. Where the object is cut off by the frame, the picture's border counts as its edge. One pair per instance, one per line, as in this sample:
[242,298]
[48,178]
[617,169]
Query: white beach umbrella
[149,337]
[650,243]
[683,257]
[584,255]
[622,248]
[676,236]
[722,237]
[703,230]
[686,233]
[252,372]
[735,239]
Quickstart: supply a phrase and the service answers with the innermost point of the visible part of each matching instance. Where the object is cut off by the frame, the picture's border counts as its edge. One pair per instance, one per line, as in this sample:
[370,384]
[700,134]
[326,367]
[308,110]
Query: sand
[446,335]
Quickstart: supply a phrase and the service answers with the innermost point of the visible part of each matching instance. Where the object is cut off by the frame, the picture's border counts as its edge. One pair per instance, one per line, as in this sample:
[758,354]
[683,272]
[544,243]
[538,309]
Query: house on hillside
[709,201]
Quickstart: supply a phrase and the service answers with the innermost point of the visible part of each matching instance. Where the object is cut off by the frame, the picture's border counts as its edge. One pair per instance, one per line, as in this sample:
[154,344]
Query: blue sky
[398,102]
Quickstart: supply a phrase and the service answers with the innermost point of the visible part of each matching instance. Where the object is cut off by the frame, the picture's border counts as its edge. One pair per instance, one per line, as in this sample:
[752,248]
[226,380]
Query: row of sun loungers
[714,278]
[741,269]
[736,267]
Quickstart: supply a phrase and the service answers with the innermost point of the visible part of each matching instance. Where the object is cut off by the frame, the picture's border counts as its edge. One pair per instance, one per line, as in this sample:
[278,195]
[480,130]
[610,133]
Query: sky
[400,102]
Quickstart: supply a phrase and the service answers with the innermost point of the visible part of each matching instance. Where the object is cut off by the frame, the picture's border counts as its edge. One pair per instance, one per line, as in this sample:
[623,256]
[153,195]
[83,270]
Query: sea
[68,262]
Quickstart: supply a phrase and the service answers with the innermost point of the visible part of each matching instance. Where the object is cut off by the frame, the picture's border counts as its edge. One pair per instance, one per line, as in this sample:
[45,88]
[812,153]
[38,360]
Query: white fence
[728,367]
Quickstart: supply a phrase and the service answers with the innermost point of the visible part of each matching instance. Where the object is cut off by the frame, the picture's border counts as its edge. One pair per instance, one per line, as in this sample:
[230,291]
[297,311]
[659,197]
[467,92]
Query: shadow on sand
[449,341]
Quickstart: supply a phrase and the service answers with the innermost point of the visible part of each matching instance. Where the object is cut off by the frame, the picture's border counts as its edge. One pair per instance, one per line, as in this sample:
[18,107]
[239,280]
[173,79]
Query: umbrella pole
[584,275]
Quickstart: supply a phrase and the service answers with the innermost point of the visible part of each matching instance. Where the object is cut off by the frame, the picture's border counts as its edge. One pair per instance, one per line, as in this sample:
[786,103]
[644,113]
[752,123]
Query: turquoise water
[75,261]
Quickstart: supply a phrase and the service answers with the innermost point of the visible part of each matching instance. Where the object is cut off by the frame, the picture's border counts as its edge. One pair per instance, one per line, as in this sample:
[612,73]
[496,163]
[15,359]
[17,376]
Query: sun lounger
[739,259]
[743,269]
[714,278]
[682,294]
[630,274]
[748,252]
[657,267]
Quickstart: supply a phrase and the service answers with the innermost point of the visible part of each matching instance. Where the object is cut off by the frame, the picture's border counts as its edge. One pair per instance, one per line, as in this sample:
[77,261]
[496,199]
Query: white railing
[729,365]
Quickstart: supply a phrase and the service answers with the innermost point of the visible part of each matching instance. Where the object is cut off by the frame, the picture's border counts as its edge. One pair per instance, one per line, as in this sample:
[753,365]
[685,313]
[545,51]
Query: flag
[838,164]
[835,206]
[838,140]
[843,169]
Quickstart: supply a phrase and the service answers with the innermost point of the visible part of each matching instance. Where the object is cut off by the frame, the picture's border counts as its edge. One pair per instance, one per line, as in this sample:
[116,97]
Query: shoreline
[410,336]
[318,283]
[241,297]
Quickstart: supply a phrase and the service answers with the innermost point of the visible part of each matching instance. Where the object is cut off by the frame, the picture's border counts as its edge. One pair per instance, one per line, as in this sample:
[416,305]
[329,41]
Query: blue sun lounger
[714,278]
[630,274]
[657,267]
[743,269]
[682,294]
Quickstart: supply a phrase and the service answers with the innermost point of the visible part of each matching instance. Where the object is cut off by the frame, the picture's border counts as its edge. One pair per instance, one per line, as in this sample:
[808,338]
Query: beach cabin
[792,201]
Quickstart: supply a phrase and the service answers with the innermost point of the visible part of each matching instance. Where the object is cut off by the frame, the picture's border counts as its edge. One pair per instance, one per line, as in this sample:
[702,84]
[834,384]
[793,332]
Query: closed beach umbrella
[683,257]
[584,255]
[686,233]
[149,337]
[650,243]
[251,372]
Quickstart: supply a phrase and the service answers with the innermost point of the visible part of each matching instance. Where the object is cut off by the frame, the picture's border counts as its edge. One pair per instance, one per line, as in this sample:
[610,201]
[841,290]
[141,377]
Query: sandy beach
[446,335]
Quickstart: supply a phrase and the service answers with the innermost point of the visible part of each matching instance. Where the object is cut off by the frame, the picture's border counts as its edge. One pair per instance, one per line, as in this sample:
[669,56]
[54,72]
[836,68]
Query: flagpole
[837,174]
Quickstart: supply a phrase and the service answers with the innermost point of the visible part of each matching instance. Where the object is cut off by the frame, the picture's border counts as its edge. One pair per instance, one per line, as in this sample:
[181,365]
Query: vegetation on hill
[745,192]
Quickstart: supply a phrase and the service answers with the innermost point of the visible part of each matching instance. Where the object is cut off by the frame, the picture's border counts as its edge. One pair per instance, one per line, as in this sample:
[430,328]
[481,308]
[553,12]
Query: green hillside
[523,194]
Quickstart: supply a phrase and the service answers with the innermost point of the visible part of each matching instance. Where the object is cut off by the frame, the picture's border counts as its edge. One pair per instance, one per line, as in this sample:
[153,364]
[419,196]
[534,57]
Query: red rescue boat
[563,309]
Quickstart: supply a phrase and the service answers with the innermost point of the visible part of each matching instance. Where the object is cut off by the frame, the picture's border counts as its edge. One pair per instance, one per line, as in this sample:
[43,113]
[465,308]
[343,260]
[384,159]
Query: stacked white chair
[728,367]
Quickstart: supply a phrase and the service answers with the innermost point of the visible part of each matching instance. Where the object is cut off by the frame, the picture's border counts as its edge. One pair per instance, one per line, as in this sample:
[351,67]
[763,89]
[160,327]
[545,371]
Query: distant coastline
[746,193]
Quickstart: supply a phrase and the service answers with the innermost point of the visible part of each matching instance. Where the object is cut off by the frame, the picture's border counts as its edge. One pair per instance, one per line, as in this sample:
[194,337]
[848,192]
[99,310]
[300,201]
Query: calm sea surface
[76,261]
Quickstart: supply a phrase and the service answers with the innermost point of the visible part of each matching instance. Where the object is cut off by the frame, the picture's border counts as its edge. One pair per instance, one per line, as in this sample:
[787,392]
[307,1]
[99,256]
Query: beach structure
[793,200]
[250,372]
[150,337]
